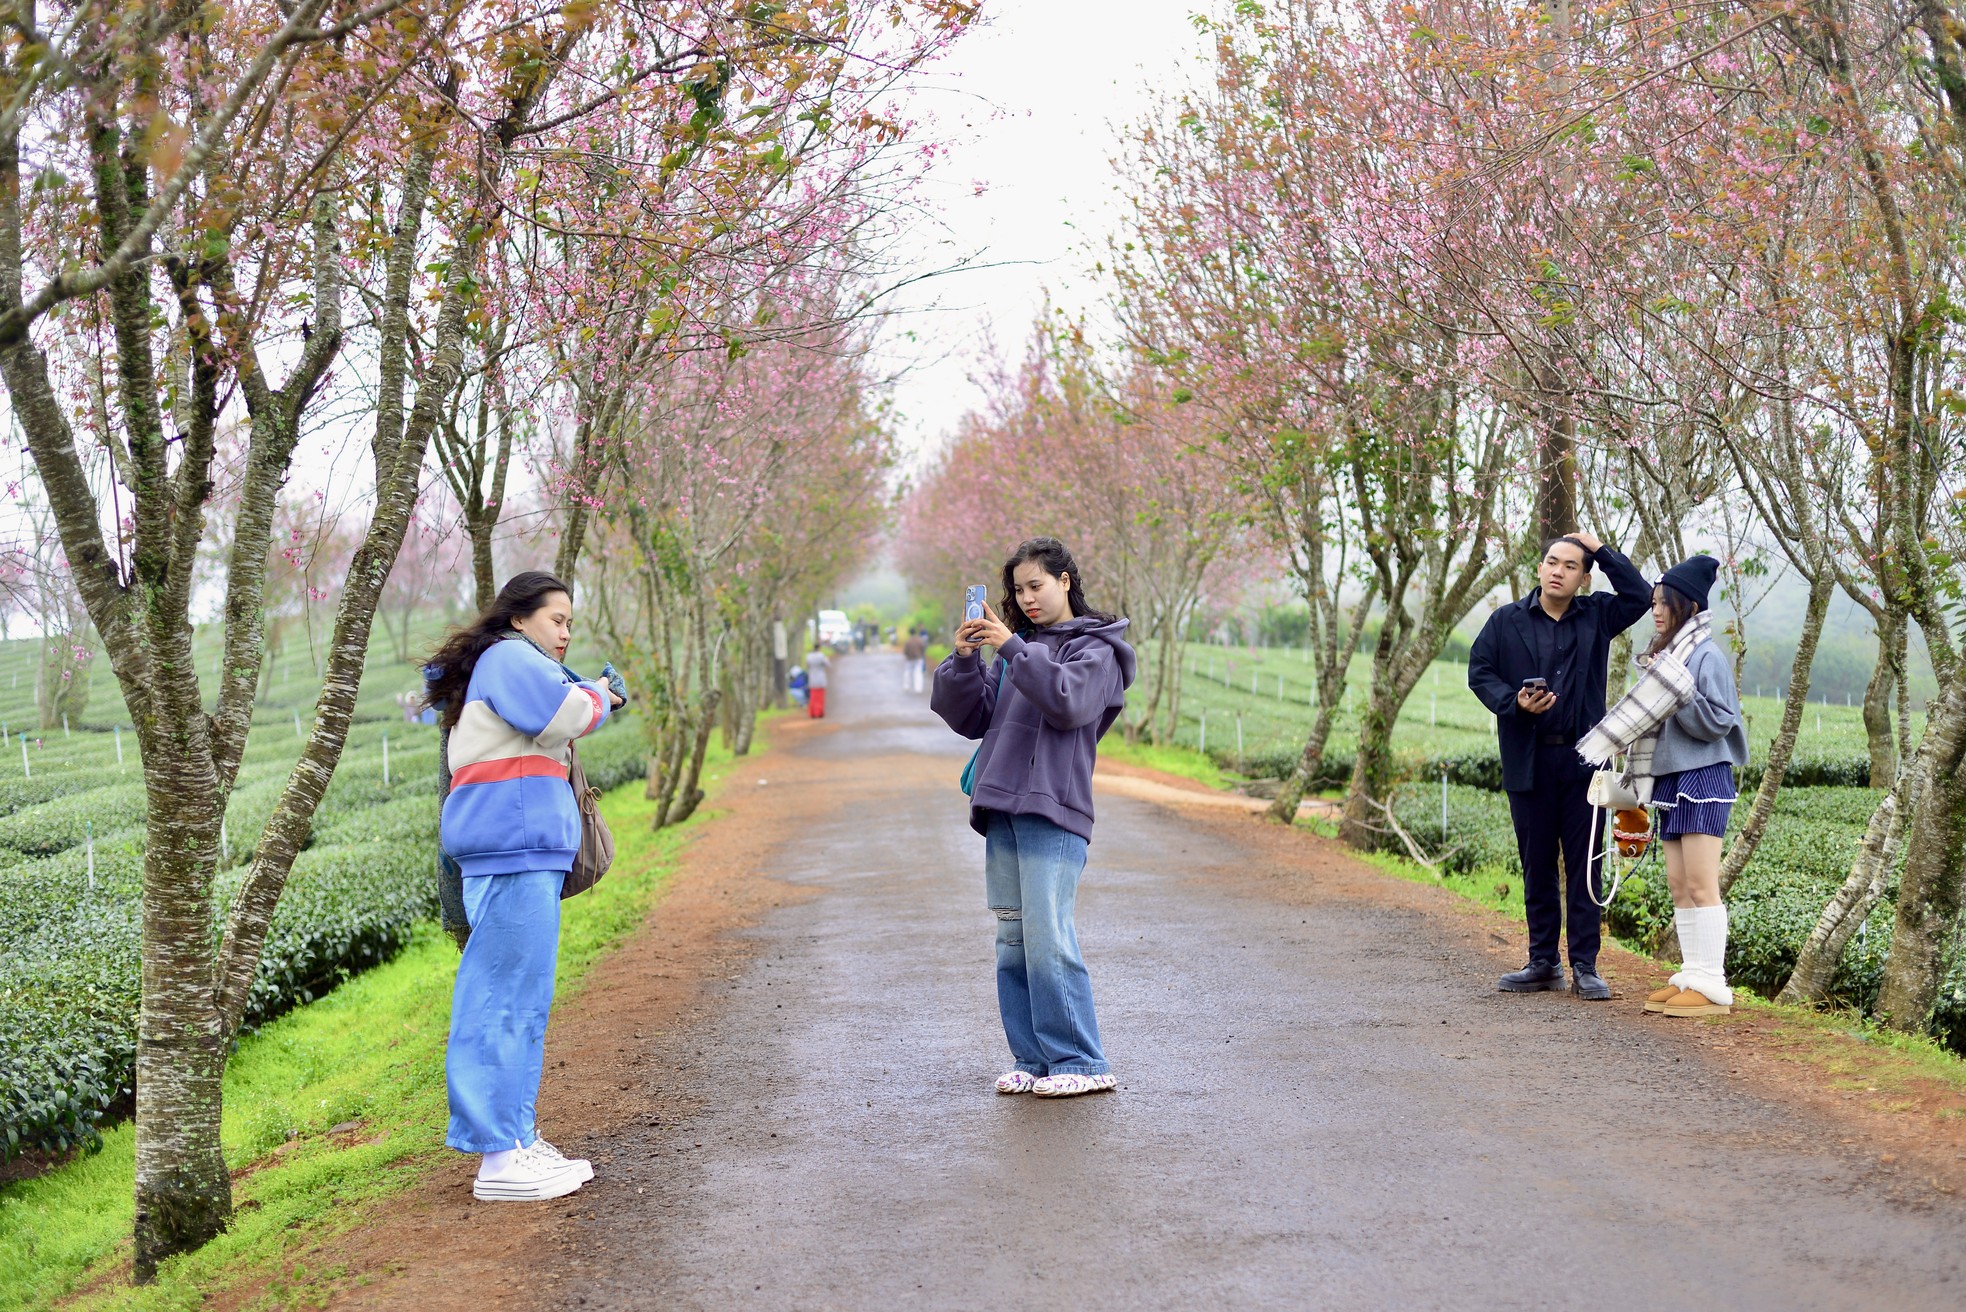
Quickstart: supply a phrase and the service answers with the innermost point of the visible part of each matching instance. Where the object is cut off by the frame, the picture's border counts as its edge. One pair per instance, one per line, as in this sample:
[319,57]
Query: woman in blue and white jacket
[509,710]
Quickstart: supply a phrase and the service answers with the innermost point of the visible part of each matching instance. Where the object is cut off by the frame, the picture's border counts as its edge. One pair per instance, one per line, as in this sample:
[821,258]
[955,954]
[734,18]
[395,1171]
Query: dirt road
[1323,1101]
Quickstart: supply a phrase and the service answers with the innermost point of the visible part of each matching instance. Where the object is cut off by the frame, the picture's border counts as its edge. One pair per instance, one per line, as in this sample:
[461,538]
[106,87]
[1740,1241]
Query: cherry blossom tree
[1095,453]
[189,196]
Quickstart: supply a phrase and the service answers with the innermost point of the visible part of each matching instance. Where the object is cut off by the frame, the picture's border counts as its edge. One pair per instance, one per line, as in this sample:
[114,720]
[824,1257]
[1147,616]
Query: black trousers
[1553,816]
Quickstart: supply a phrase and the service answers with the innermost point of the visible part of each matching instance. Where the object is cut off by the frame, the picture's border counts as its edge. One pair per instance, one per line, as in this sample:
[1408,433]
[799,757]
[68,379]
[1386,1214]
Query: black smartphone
[1537,684]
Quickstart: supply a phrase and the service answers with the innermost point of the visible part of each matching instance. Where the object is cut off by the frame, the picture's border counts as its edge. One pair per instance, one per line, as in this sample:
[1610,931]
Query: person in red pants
[817,667]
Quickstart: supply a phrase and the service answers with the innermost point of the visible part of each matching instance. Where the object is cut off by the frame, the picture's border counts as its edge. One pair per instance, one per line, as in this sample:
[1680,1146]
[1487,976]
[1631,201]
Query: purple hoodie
[1063,687]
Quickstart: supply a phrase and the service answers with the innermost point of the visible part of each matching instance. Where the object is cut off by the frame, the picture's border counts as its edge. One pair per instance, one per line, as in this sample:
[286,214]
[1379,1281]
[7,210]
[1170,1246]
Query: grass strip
[1185,762]
[333,1106]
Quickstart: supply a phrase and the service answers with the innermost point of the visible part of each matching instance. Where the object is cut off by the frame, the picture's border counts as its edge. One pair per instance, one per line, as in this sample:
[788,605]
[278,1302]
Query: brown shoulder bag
[596,842]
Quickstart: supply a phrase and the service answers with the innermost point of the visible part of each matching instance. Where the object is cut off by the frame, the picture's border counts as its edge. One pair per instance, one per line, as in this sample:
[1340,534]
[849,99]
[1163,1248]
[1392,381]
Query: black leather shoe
[1587,984]
[1536,977]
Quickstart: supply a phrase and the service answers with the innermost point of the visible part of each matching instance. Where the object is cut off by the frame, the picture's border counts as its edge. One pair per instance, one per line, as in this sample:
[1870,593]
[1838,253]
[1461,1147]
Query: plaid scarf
[1632,726]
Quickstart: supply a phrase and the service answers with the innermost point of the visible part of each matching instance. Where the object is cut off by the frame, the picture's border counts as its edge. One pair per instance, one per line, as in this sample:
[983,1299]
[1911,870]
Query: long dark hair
[1052,556]
[1680,608]
[450,666]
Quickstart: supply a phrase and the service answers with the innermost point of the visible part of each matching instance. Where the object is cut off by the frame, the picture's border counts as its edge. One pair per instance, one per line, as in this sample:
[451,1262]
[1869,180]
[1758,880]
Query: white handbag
[1616,790]
[1612,790]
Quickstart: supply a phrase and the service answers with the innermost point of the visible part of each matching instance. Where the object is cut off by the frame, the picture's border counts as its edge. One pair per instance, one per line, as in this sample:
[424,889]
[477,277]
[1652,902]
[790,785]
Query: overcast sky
[1031,105]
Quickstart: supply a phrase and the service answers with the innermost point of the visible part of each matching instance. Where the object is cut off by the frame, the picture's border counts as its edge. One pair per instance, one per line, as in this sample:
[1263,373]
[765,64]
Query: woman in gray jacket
[1693,765]
[1058,683]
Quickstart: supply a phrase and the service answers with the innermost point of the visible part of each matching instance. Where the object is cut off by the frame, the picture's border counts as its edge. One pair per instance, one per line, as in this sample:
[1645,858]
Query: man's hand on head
[1592,542]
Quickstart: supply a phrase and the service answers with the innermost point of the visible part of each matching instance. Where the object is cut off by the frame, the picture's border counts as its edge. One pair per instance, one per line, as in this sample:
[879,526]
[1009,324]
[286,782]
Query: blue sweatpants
[498,1011]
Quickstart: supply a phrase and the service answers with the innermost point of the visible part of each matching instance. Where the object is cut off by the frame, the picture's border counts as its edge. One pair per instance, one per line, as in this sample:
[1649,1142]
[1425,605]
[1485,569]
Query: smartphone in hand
[1536,684]
[973,601]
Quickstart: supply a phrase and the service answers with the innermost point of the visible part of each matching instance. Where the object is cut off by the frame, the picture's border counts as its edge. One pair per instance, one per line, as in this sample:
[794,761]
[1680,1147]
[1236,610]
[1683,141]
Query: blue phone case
[973,597]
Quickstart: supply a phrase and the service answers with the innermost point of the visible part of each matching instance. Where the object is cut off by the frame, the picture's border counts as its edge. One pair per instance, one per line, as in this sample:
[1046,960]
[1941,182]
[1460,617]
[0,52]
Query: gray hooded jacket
[1062,688]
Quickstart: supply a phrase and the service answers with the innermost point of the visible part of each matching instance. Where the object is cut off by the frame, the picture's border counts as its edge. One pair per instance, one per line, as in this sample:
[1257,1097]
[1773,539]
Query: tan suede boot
[1692,1002]
[1657,999]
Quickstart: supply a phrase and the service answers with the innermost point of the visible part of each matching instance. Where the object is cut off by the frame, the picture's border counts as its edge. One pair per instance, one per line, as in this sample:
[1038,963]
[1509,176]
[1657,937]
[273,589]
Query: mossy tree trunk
[1878,694]
[1334,635]
[1929,891]
[1430,496]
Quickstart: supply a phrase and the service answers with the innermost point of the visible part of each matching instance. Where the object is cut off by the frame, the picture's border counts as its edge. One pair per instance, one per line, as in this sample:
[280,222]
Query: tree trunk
[61,687]
[1617,679]
[1870,873]
[1372,772]
[1310,764]
[1929,891]
[1877,702]
[183,1192]
[689,792]
[1556,466]
[1337,642]
[484,585]
[1782,749]
[1134,726]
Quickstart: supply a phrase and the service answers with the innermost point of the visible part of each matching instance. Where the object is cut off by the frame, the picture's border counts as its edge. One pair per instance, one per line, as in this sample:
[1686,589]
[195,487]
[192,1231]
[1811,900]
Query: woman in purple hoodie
[1058,683]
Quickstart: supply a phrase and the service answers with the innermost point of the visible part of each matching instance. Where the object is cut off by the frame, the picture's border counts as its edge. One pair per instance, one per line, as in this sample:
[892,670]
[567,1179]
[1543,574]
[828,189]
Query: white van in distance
[835,629]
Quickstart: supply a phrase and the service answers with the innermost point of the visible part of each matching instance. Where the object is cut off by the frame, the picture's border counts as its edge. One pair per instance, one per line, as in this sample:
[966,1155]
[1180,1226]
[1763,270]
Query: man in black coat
[1540,666]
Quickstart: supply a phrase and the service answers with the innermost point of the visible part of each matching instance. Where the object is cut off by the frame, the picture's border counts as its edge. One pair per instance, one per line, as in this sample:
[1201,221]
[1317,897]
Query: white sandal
[1015,1082]
[1071,1085]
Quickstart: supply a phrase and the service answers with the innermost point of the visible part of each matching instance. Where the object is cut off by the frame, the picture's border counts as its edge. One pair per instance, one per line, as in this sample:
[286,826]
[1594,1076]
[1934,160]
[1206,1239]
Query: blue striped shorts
[1695,801]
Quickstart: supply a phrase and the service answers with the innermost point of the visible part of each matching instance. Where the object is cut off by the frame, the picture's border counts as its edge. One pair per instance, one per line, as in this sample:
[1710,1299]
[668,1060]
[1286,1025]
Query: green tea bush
[52,783]
[1278,764]
[1483,768]
[70,973]
[1475,769]
[69,977]
[1480,835]
[616,755]
[347,907]
[64,822]
[1813,772]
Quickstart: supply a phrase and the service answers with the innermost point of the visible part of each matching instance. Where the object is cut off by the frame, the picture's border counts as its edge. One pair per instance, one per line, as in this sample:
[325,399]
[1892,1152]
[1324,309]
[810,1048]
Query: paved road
[1323,1104]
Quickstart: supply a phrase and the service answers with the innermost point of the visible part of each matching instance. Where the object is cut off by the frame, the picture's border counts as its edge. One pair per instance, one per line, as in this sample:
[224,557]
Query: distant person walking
[818,665]
[1057,684]
[508,710]
[914,657]
[1681,725]
[1540,665]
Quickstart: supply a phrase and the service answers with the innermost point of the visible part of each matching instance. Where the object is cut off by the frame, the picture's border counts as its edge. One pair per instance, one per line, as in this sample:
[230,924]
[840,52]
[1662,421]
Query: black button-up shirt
[1510,649]
[1556,653]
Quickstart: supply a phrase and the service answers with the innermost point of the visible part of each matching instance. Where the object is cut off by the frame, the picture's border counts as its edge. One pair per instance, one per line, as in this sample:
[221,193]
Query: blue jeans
[1031,869]
[499,1008]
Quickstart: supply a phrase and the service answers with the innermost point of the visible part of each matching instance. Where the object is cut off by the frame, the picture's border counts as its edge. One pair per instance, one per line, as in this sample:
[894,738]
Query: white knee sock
[1682,923]
[1703,939]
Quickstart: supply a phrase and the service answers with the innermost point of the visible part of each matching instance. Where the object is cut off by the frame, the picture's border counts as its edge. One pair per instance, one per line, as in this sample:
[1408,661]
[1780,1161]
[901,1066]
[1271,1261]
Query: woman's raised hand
[986,632]
[989,631]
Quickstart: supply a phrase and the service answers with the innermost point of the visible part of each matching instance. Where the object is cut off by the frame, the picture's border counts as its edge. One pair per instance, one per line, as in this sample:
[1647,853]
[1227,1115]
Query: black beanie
[1693,578]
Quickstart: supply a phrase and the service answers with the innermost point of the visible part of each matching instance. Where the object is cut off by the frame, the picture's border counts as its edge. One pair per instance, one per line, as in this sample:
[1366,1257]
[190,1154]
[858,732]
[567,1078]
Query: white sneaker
[552,1154]
[529,1176]
[1015,1082]
[1072,1085]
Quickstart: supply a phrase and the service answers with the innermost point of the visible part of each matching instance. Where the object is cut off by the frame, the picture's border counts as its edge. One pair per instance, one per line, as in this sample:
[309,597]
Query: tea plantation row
[69,968]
